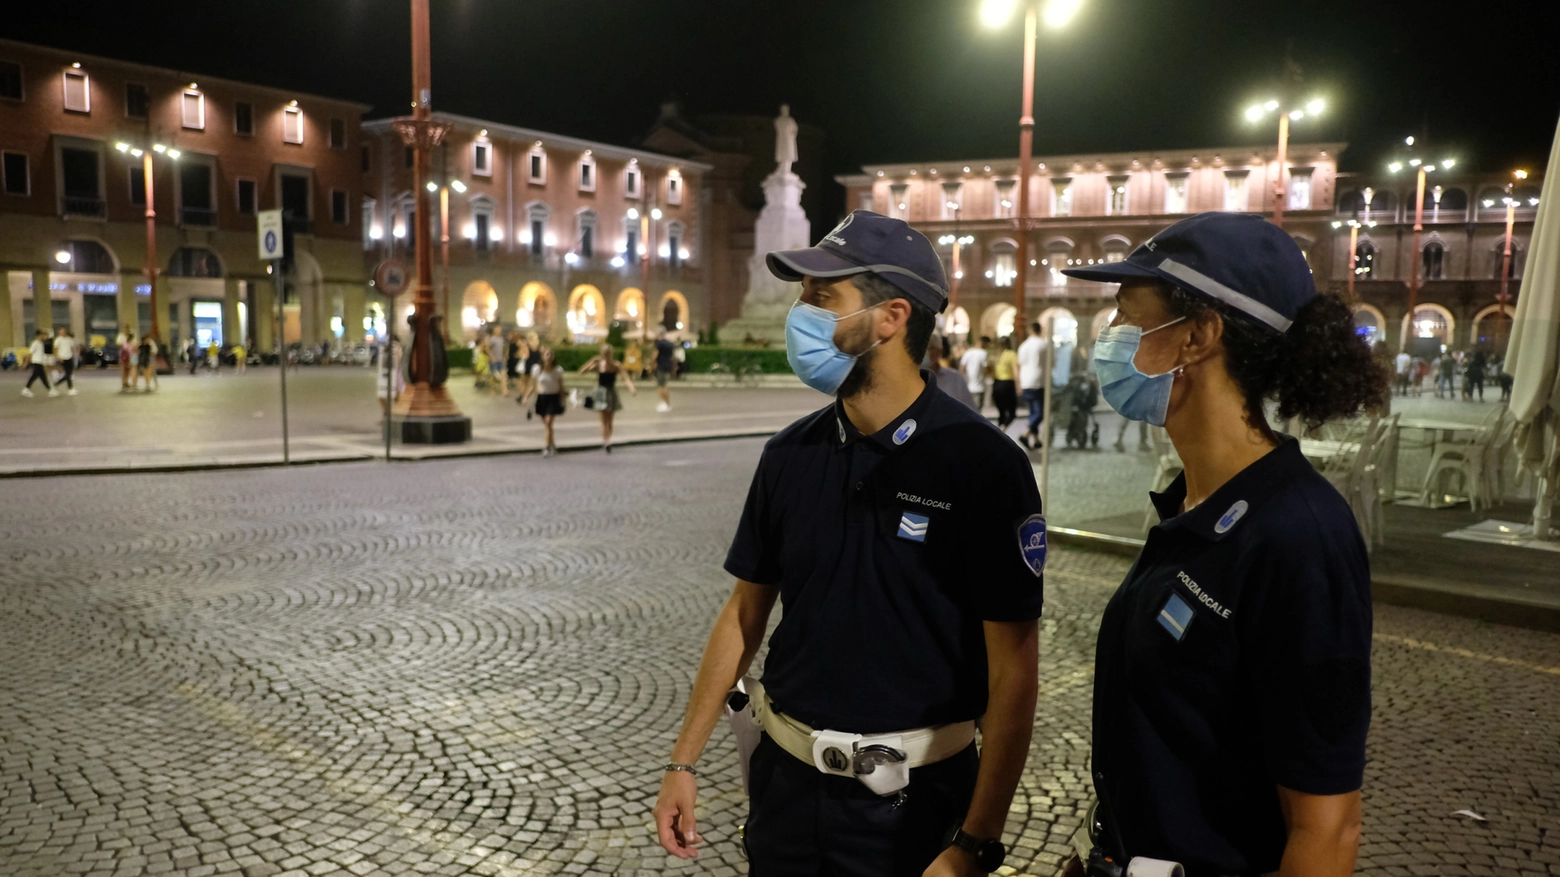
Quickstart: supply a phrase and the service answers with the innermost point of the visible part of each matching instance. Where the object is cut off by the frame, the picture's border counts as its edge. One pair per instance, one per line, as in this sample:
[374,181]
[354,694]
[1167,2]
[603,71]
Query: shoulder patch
[1031,543]
[1231,517]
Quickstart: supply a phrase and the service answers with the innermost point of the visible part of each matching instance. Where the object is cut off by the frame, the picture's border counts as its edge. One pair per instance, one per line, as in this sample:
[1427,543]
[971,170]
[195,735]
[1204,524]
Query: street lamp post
[1424,169]
[996,13]
[150,270]
[425,411]
[1505,267]
[1257,112]
[444,232]
[957,241]
[1354,248]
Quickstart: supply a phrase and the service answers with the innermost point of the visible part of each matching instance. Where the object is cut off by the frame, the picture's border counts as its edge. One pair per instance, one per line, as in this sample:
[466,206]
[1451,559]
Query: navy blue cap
[1239,259]
[871,242]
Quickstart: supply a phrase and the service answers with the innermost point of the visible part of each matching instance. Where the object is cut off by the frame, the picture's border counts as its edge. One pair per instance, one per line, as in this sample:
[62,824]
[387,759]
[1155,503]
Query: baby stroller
[1083,430]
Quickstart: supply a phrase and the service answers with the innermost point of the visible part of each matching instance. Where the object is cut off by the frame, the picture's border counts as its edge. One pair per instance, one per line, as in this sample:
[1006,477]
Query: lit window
[1116,196]
[193,107]
[482,157]
[1058,257]
[292,125]
[899,201]
[674,188]
[1300,189]
[953,200]
[1004,264]
[587,174]
[78,92]
[631,181]
[1006,206]
[1061,197]
[1235,191]
[1175,193]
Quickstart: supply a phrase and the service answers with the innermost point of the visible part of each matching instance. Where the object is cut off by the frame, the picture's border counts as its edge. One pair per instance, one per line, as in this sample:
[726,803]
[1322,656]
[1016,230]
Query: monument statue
[785,140]
[782,225]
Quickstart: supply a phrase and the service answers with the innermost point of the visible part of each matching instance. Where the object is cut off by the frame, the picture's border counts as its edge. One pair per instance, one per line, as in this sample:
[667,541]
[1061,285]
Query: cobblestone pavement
[475,666]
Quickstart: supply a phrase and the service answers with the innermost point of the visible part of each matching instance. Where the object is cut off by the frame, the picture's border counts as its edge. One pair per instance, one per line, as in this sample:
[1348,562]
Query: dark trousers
[69,366]
[1036,401]
[803,822]
[1004,395]
[39,373]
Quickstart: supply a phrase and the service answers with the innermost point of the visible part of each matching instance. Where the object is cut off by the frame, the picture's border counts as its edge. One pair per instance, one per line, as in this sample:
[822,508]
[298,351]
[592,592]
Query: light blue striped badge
[1176,616]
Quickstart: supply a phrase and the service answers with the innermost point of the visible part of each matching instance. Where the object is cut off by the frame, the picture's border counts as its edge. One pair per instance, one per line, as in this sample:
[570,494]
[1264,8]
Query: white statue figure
[785,139]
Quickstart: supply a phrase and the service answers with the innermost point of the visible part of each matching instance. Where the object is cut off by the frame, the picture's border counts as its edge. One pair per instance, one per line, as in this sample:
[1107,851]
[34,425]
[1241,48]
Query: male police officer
[902,534]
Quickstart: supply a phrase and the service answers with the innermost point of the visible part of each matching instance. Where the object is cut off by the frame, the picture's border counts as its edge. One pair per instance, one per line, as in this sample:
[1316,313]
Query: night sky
[887,80]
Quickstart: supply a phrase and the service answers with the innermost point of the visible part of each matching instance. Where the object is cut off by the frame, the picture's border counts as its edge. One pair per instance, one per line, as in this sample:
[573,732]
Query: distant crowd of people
[1447,371]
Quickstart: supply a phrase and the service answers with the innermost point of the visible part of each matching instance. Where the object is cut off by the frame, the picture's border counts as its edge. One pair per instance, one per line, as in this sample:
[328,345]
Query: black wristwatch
[988,853]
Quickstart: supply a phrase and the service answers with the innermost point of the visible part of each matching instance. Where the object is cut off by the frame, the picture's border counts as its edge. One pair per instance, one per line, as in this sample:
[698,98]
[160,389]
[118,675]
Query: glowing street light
[62,257]
[1423,168]
[1256,113]
[1056,14]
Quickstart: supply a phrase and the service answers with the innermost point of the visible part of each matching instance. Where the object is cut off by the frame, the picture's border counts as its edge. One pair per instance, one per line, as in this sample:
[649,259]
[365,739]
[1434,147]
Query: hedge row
[700,359]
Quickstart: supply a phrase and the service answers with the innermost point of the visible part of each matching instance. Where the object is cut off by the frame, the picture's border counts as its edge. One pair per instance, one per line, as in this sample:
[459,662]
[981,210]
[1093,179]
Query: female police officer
[1232,680]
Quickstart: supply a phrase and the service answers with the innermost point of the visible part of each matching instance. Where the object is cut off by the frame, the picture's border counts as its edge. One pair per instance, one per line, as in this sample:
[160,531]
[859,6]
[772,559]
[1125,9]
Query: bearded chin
[860,378]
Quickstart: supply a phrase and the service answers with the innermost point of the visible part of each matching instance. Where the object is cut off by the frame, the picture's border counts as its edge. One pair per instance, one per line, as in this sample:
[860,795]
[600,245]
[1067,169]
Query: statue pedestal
[782,225]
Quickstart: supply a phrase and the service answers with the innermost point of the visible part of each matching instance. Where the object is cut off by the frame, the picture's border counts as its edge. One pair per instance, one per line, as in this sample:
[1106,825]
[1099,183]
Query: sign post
[391,279]
[272,249]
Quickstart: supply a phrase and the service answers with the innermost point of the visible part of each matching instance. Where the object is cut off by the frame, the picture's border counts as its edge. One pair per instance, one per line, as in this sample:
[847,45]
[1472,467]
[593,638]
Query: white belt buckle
[834,752]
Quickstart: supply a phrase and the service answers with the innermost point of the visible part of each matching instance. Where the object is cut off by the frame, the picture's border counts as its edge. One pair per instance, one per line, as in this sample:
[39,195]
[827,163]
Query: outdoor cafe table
[1446,429]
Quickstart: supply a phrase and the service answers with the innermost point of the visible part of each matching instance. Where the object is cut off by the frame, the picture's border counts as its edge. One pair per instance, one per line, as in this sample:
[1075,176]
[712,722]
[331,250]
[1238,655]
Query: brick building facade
[72,201]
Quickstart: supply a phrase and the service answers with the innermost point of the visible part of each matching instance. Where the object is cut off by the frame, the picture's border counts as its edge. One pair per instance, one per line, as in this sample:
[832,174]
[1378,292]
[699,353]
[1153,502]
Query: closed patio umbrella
[1533,357]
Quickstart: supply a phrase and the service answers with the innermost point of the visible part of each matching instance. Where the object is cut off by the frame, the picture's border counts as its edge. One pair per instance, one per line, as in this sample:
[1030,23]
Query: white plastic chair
[1467,459]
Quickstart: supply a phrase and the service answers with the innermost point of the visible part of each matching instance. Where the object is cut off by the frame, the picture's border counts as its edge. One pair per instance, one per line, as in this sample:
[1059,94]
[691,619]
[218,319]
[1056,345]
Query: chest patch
[1176,616]
[1031,542]
[1231,517]
[913,527]
[904,432]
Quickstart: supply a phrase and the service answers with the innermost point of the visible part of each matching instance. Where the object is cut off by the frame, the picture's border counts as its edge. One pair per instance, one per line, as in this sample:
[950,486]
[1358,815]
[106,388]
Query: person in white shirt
[975,365]
[1031,372]
[1404,360]
[65,351]
[40,356]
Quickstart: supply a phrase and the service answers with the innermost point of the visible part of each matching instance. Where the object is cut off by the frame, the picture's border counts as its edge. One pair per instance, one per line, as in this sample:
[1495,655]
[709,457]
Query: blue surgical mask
[1131,393]
[810,348]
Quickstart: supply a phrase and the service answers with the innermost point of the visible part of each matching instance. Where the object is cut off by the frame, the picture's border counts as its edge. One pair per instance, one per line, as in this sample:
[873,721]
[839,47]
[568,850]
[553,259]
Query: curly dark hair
[1319,370]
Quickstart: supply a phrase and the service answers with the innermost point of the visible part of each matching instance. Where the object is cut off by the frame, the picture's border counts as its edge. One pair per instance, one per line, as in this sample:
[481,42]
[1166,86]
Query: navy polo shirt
[889,551]
[1234,658]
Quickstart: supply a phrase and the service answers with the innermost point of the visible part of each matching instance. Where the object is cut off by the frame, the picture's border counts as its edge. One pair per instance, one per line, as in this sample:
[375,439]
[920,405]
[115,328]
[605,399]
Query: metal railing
[199,217]
[76,205]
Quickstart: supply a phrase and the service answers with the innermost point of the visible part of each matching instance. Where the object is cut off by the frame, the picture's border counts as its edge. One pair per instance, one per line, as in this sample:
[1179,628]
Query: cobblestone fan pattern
[475,667]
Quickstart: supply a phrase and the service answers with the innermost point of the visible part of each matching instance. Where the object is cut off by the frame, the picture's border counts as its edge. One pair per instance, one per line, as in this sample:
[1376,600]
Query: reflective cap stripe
[1203,283]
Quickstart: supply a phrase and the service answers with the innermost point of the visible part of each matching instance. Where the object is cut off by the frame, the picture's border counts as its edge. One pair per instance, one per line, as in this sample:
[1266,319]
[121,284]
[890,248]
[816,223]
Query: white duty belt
[882,762]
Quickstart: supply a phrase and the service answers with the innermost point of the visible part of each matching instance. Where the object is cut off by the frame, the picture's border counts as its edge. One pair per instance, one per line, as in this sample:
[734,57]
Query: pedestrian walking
[547,385]
[40,355]
[665,364]
[1445,372]
[939,361]
[513,356]
[192,355]
[976,365]
[1004,386]
[240,358]
[1474,380]
[214,356]
[66,353]
[605,398]
[127,348]
[146,362]
[1403,362]
[903,537]
[1232,671]
[1031,372]
[498,351]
